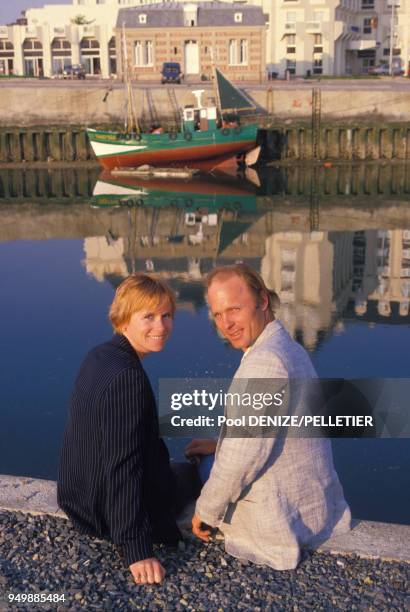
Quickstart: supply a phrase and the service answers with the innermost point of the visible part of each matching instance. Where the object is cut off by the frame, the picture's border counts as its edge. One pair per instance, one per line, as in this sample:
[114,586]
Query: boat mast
[215,82]
[131,123]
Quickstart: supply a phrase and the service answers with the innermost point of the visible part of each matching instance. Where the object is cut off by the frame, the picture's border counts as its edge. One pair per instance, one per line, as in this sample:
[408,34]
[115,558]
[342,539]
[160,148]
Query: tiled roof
[171,15]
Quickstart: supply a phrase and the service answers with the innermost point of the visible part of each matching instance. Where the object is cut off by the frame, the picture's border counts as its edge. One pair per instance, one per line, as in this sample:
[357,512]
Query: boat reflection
[202,193]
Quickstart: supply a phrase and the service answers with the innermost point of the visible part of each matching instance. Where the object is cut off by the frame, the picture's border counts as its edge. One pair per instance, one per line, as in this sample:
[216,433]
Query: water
[338,255]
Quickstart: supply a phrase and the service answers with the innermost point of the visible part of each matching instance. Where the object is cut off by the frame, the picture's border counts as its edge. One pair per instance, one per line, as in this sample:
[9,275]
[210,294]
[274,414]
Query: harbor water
[333,242]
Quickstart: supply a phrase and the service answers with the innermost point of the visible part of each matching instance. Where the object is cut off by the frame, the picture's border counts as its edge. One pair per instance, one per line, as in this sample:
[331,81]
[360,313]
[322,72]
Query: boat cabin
[199,117]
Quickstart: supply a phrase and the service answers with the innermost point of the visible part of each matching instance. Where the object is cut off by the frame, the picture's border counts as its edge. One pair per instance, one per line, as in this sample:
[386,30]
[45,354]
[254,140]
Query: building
[345,37]
[196,35]
[55,36]
[330,37]
[391,263]
[312,275]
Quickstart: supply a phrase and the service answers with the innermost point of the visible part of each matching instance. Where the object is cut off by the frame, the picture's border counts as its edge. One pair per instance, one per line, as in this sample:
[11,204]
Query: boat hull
[191,149]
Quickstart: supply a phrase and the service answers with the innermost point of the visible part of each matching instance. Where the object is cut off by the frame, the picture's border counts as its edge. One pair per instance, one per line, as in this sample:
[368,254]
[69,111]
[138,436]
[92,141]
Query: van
[171,72]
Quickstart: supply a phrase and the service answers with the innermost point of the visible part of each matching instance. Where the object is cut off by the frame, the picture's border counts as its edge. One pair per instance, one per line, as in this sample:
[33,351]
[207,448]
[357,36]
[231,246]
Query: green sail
[230,98]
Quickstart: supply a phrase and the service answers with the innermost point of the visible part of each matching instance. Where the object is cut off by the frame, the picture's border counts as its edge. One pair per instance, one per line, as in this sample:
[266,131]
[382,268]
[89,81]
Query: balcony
[313,26]
[361,44]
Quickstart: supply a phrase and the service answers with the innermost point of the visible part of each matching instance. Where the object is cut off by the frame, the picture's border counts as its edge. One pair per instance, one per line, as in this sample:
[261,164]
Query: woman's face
[148,330]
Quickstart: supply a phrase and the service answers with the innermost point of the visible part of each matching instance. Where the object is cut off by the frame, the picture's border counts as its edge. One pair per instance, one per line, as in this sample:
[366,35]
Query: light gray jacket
[271,496]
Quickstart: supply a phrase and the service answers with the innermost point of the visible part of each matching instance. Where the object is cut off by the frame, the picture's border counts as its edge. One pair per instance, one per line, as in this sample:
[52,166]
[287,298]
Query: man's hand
[200,447]
[147,571]
[202,534]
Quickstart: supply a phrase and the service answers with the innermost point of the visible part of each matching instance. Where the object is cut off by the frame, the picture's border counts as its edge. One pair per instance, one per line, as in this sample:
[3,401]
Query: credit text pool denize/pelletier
[253,420]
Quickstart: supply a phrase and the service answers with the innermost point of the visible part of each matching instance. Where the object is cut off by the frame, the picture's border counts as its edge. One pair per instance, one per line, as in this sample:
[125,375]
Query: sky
[11,9]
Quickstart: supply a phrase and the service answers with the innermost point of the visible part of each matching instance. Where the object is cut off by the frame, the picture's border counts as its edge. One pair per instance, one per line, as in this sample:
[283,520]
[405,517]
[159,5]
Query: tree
[81,20]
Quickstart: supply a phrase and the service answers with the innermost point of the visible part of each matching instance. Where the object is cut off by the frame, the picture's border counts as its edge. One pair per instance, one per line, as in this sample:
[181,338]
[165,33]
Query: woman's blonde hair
[137,292]
[253,280]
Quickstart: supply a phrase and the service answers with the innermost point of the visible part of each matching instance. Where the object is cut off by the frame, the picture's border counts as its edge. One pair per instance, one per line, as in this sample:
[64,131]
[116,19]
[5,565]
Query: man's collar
[270,329]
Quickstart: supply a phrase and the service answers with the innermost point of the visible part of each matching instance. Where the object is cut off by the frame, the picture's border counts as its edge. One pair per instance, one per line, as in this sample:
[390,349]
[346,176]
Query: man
[269,496]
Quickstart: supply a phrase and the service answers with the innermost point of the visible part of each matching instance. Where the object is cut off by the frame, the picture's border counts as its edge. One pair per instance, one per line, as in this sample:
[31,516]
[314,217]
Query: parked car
[384,70]
[75,71]
[171,72]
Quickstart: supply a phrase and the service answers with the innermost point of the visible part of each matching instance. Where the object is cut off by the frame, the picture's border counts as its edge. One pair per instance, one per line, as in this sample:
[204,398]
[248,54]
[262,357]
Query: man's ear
[263,301]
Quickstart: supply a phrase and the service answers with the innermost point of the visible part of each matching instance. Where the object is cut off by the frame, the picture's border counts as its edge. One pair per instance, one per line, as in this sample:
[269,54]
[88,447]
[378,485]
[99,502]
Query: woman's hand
[147,571]
[200,447]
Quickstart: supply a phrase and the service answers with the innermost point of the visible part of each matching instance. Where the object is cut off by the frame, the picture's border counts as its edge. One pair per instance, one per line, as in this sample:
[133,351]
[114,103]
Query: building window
[175,50]
[317,66]
[31,45]
[112,53]
[317,43]
[238,17]
[142,18]
[367,26]
[6,57]
[5,45]
[90,55]
[238,52]
[291,66]
[367,4]
[143,53]
[290,20]
[395,51]
[291,43]
[61,54]
[318,15]
[33,57]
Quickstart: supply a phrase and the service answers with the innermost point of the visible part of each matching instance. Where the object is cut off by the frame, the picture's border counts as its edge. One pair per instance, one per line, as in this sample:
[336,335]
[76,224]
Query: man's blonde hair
[252,278]
[138,292]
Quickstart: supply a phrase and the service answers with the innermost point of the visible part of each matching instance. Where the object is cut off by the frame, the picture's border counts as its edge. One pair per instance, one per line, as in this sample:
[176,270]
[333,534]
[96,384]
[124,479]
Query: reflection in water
[334,243]
[320,276]
[346,181]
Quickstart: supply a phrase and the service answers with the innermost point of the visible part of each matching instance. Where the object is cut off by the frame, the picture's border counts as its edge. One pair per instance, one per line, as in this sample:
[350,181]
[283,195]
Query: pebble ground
[44,554]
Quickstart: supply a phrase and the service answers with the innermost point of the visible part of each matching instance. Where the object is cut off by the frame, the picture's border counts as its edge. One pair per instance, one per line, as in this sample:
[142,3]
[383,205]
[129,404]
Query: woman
[115,479]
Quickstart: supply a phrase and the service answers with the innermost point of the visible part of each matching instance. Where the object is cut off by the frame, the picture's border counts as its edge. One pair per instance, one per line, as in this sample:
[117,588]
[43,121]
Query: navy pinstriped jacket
[115,480]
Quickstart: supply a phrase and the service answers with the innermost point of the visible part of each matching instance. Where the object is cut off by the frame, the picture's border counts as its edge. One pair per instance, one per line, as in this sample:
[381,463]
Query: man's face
[238,315]
[148,331]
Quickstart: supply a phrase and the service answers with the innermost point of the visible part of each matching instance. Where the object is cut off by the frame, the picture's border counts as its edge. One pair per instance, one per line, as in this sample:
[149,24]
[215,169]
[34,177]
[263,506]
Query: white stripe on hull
[101,148]
[102,188]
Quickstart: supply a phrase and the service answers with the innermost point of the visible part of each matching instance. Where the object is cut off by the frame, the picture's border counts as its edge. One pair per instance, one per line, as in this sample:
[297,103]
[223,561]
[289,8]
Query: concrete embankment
[47,123]
[69,105]
[366,569]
